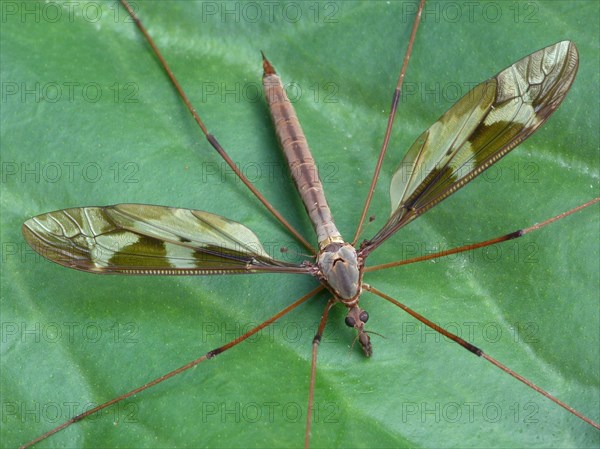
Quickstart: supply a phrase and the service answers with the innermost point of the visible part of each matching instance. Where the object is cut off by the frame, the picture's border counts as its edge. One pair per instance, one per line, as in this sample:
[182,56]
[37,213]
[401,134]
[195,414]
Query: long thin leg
[472,246]
[212,139]
[209,355]
[478,352]
[390,123]
[313,370]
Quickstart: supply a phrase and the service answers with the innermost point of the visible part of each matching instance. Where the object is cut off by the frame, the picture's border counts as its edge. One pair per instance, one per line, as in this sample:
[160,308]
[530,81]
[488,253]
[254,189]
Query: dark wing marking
[482,127]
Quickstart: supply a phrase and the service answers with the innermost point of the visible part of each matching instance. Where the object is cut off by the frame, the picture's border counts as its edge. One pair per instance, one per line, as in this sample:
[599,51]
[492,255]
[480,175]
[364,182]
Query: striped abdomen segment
[302,165]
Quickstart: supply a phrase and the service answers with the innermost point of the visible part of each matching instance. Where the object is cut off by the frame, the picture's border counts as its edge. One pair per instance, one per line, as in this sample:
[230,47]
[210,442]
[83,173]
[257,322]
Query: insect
[325,354]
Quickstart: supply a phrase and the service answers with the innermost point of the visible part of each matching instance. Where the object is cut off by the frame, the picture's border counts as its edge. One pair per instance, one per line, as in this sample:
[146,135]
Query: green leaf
[71,338]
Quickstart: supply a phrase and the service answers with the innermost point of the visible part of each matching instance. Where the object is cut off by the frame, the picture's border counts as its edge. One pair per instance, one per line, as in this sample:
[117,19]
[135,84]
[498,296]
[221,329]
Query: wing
[482,127]
[144,239]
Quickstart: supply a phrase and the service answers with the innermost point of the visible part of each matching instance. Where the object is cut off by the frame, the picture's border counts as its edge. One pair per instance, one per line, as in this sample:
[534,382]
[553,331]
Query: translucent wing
[477,131]
[144,239]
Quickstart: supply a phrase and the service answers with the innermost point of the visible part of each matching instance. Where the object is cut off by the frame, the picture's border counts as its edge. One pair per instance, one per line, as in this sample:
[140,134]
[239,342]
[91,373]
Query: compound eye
[364,316]
[350,322]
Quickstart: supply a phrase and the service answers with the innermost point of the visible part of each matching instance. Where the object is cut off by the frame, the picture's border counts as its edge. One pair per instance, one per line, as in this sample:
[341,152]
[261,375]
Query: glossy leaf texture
[533,305]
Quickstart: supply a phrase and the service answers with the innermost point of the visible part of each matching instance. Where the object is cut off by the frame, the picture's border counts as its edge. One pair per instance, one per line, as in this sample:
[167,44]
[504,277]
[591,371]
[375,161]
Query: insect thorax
[340,271]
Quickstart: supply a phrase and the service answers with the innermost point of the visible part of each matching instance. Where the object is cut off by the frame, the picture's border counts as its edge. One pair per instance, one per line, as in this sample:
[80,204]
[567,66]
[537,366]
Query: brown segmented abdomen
[302,165]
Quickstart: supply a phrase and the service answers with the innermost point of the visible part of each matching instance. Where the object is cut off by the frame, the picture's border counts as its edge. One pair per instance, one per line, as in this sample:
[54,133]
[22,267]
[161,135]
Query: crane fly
[380,342]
